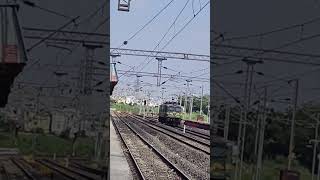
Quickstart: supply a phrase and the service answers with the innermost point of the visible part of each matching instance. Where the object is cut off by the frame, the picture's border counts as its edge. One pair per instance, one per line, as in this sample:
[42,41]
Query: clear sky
[193,39]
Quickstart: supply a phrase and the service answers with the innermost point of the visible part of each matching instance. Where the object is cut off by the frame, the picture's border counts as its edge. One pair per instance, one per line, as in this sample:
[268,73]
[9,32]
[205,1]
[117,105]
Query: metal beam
[67,40]
[52,34]
[163,75]
[160,54]
[266,50]
[43,30]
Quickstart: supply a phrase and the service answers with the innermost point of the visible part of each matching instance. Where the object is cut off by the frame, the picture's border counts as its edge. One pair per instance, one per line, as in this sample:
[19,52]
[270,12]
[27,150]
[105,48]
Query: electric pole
[160,59]
[261,135]
[191,105]
[138,83]
[187,94]
[291,145]
[209,110]
[185,102]
[201,100]
[315,145]
[247,98]
[85,80]
[226,122]
[85,88]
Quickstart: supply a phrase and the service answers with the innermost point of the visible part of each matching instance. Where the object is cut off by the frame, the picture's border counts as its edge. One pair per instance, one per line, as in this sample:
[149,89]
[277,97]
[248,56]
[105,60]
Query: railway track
[193,162]
[70,172]
[98,172]
[17,168]
[198,133]
[3,173]
[196,143]
[24,168]
[204,134]
[195,133]
[149,162]
[14,170]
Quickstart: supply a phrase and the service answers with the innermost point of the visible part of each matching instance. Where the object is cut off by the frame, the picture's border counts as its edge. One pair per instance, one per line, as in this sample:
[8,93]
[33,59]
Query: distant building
[32,121]
[130,100]
[121,100]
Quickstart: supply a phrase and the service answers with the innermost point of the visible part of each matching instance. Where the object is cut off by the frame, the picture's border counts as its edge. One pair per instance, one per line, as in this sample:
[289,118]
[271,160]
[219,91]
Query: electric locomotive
[113,77]
[170,113]
[13,56]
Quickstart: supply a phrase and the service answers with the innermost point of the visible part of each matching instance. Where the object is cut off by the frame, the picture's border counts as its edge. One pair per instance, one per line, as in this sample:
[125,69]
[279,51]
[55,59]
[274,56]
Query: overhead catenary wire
[203,69]
[154,74]
[146,24]
[52,34]
[93,14]
[86,19]
[301,37]
[150,21]
[292,76]
[264,58]
[274,31]
[32,4]
[184,26]
[41,85]
[165,34]
[176,34]
[287,44]
[268,50]
[157,45]
[94,30]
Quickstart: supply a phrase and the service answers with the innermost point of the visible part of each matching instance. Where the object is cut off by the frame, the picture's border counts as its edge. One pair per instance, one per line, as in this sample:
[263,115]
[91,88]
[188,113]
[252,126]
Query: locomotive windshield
[174,109]
[178,109]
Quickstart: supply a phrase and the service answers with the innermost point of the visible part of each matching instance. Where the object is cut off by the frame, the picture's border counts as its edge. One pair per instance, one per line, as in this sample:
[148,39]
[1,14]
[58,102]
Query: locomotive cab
[113,77]
[12,51]
[170,113]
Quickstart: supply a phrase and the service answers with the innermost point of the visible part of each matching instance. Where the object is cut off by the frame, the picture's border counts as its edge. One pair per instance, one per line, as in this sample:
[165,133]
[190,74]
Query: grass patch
[135,109]
[47,144]
[131,108]
[271,169]
[194,116]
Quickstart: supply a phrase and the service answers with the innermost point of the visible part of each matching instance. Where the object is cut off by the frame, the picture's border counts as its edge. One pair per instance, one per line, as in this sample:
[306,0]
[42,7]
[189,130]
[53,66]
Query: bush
[65,134]
[83,133]
[37,130]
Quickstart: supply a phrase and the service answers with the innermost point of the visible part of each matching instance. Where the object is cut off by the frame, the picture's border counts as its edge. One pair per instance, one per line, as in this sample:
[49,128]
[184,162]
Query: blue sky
[195,38]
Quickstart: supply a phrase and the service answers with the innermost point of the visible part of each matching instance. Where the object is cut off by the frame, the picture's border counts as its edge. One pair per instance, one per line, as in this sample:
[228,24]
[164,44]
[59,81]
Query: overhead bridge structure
[160,54]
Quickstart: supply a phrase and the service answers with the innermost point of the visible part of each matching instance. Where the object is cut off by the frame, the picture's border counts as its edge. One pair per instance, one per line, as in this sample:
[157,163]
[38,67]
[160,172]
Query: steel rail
[70,170]
[175,131]
[140,174]
[91,170]
[23,169]
[180,172]
[198,134]
[5,172]
[184,142]
[202,135]
[56,169]
[63,170]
